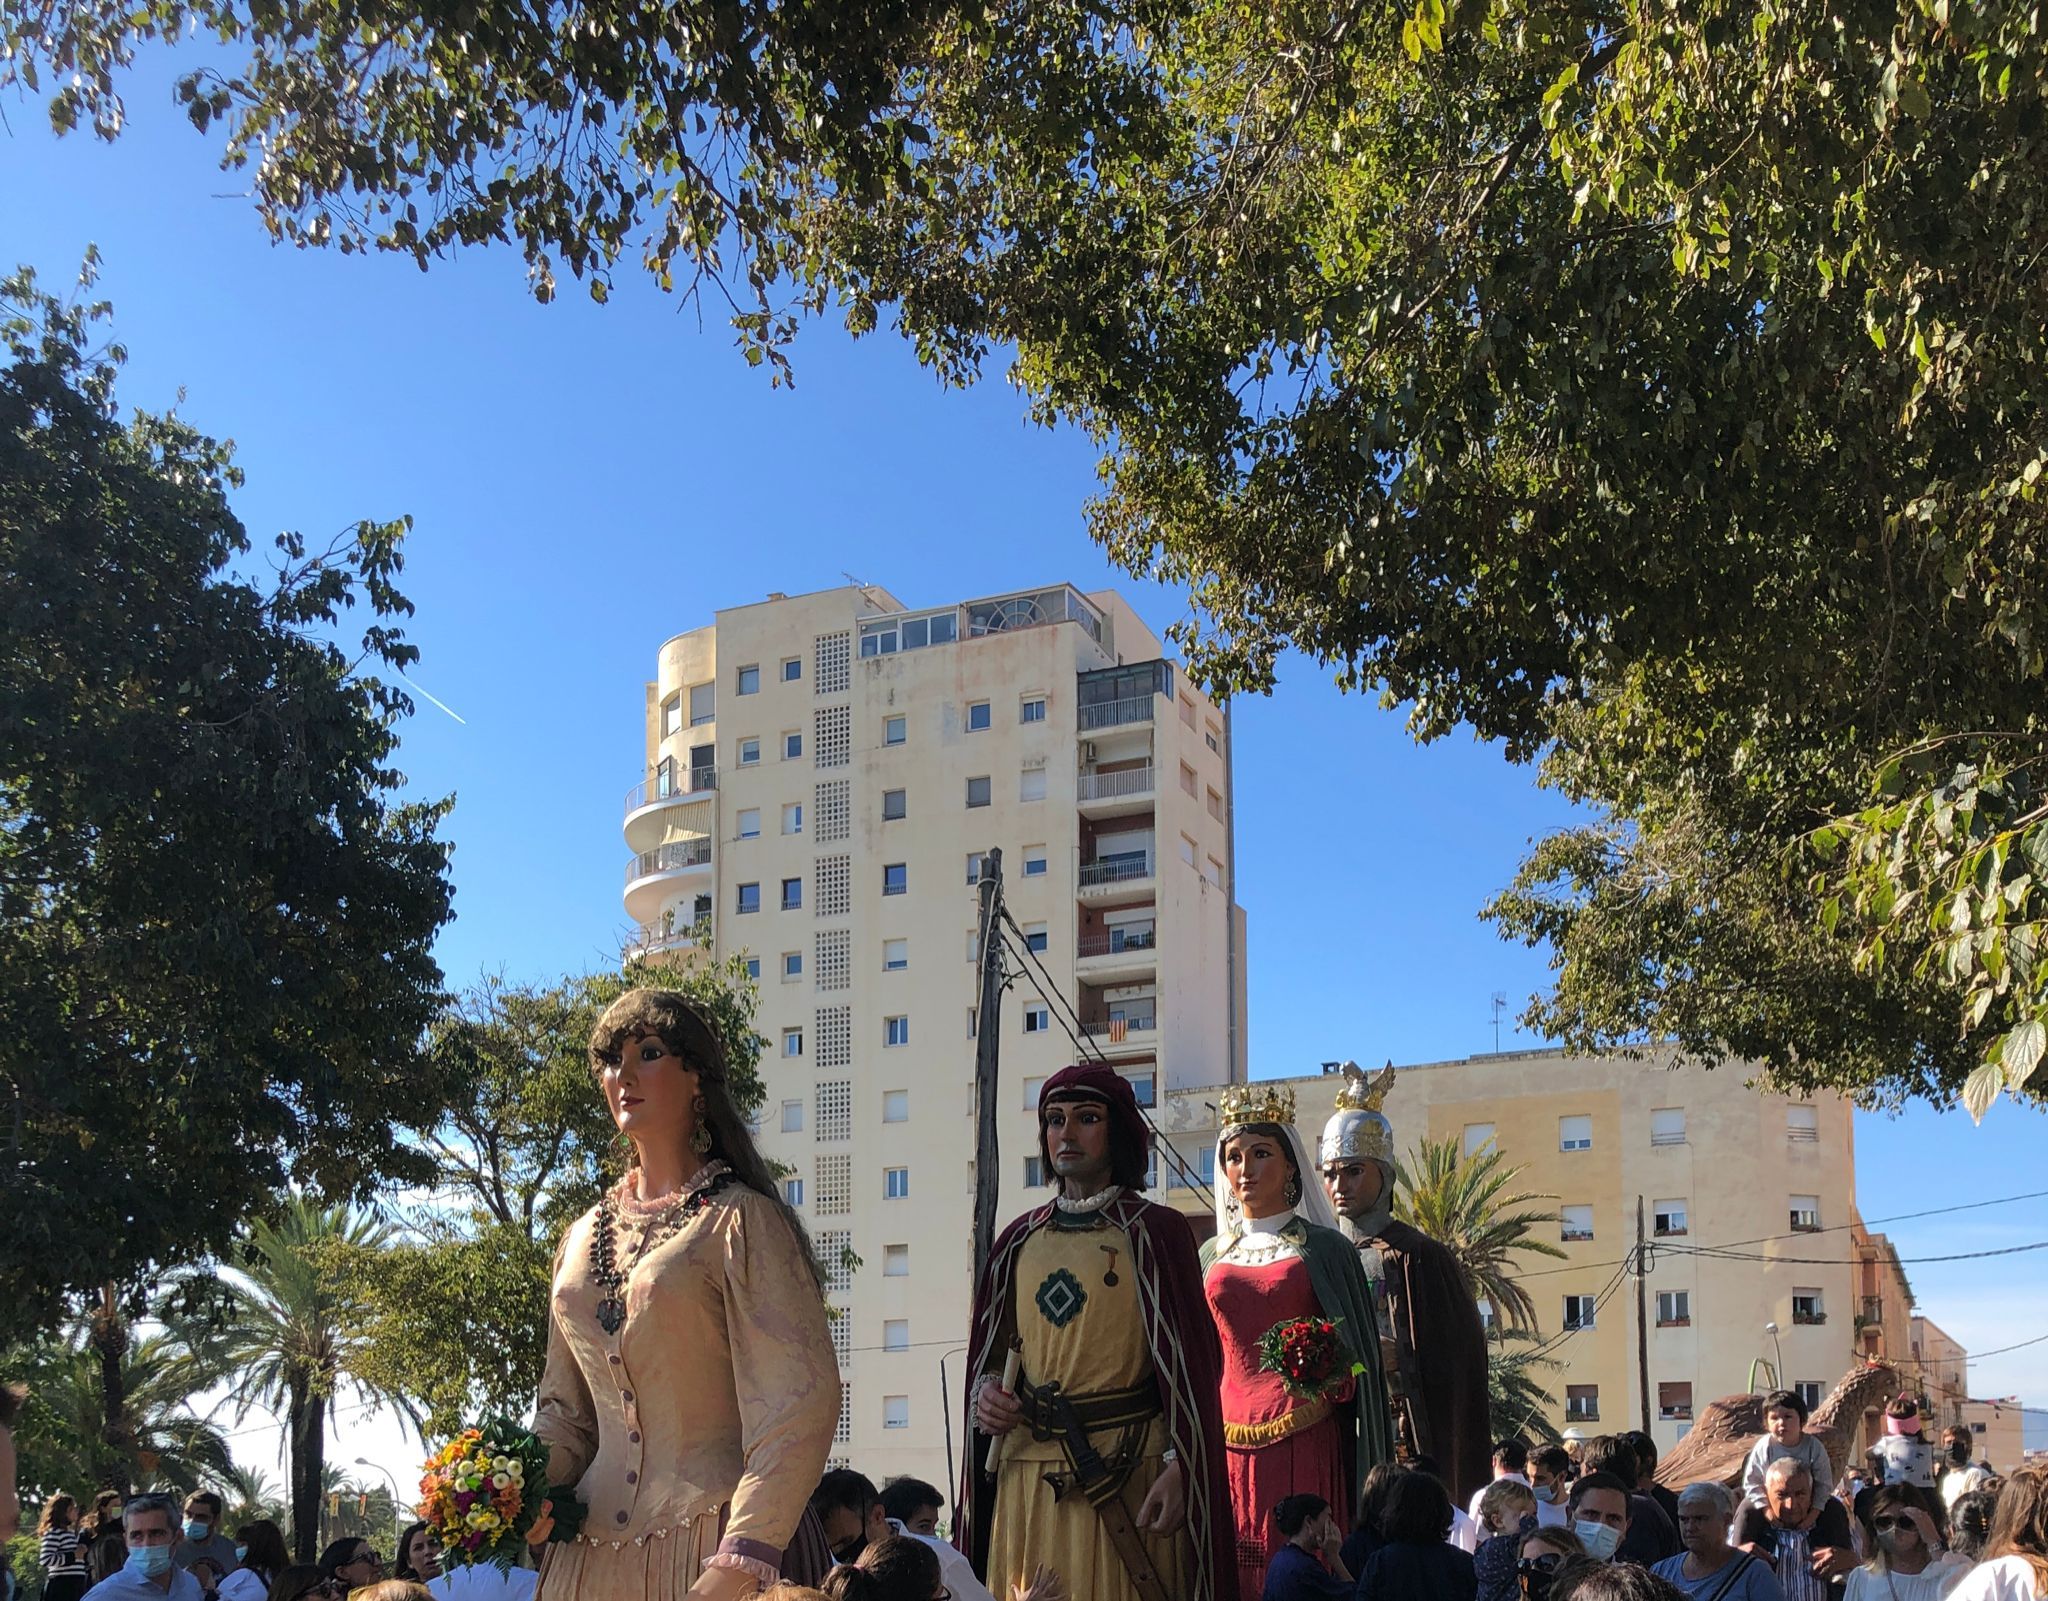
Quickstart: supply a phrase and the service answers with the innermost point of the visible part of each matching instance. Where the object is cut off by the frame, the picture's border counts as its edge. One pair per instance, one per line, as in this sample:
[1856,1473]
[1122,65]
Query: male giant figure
[1111,1437]
[1432,1339]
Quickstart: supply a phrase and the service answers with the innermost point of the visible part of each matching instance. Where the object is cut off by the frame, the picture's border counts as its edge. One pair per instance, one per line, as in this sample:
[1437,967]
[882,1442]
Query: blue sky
[587,481]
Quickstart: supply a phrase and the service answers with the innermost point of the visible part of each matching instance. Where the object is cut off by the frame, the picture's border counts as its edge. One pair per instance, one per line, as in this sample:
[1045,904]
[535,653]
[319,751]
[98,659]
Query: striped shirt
[63,1554]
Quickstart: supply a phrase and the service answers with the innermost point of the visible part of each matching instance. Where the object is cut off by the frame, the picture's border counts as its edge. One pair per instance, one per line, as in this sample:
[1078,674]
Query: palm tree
[288,1335]
[165,1446]
[1517,1404]
[1458,1200]
[250,1494]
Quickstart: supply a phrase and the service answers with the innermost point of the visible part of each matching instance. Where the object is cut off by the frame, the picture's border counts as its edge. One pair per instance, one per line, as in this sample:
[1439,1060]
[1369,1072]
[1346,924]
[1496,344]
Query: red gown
[1247,1300]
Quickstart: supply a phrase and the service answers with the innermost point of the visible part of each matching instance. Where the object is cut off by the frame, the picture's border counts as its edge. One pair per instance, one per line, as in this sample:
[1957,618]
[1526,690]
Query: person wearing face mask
[1959,1474]
[1599,1512]
[1808,1545]
[150,1524]
[1550,1470]
[260,1549]
[200,1540]
[1907,1562]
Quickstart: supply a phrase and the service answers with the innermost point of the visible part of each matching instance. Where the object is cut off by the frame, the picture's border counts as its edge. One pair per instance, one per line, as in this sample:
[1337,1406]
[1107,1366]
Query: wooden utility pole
[987,1036]
[1642,1316]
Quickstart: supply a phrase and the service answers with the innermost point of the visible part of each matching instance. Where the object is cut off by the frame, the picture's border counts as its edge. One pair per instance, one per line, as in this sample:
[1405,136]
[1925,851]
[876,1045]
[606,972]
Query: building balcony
[1118,956]
[1109,876]
[1812,1319]
[1120,793]
[1124,1036]
[653,875]
[1117,713]
[651,804]
[649,942]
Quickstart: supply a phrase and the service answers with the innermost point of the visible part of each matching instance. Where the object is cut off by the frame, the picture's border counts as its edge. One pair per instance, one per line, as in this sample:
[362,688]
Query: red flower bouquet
[1309,1357]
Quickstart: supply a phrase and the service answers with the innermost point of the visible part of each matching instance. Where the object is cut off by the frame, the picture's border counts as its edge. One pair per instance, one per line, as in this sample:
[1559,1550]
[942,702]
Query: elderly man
[1709,1568]
[150,1523]
[1808,1545]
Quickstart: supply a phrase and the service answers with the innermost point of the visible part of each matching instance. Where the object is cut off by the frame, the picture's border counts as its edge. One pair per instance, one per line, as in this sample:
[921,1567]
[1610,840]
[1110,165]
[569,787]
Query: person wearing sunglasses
[303,1581]
[1907,1562]
[355,1563]
[1709,1568]
[1542,1551]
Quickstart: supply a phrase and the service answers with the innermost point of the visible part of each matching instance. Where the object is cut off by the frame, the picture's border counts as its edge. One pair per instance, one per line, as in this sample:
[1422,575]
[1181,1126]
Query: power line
[1978,1356]
[1718,1254]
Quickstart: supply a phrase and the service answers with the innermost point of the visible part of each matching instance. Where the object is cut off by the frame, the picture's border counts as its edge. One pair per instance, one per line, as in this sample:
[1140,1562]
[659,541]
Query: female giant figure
[1277,1256]
[690,1392]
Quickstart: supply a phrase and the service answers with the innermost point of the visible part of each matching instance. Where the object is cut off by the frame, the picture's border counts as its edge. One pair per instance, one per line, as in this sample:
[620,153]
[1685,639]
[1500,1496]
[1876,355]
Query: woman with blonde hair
[2015,1565]
[690,1392]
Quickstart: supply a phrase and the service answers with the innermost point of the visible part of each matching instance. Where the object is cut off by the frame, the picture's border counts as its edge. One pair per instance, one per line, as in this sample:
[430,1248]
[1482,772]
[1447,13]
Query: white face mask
[1599,1539]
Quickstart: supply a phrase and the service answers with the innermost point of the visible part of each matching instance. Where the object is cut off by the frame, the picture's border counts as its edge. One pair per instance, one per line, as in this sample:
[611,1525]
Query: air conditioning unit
[1088,751]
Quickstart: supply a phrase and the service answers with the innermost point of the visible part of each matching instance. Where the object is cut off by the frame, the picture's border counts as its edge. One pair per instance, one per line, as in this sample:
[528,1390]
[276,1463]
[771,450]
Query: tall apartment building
[822,775]
[1748,1206]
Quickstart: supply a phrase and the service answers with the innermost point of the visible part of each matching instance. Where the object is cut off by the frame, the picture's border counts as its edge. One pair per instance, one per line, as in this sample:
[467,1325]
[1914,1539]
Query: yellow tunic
[1087,1335]
[708,1415]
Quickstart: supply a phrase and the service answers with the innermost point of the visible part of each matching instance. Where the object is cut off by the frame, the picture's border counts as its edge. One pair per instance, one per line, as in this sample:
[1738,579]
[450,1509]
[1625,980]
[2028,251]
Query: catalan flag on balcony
[1117,1028]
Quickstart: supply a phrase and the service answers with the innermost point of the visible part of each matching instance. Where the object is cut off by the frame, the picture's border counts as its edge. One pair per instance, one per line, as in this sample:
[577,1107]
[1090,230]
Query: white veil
[1313,1207]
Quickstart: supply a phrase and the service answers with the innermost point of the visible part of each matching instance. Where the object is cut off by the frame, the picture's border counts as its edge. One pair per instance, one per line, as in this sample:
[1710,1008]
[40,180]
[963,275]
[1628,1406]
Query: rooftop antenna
[1500,1005]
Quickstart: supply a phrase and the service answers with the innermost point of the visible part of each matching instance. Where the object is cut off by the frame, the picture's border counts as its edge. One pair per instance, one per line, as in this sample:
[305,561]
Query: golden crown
[1255,1103]
[1364,1094]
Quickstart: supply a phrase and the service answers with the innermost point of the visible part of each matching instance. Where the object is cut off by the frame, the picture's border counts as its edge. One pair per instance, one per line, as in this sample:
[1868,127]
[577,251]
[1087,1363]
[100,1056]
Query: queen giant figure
[690,1391]
[1278,1256]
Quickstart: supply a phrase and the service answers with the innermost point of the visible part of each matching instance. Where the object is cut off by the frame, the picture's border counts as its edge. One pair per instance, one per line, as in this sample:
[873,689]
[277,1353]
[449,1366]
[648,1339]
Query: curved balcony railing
[649,940]
[1115,786]
[670,782]
[672,858]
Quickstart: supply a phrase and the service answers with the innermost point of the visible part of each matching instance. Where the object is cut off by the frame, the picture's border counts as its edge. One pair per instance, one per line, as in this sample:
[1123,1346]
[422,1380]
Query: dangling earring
[1294,1190]
[700,1136]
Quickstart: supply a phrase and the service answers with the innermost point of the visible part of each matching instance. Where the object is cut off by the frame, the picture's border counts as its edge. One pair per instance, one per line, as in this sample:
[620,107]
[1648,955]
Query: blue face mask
[198,1531]
[241,1553]
[149,1561]
[1599,1539]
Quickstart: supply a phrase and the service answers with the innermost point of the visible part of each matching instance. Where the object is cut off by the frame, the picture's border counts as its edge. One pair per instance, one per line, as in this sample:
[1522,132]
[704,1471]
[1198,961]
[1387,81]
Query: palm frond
[1464,1203]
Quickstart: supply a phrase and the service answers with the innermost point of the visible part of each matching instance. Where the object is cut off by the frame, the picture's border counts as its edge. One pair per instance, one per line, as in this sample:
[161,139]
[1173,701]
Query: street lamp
[1778,1368]
[397,1511]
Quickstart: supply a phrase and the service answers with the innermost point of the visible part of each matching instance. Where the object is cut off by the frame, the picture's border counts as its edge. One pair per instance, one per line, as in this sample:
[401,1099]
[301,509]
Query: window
[1477,1137]
[671,715]
[977,716]
[749,898]
[793,1192]
[1187,711]
[792,894]
[1667,1125]
[750,752]
[896,1334]
[1575,1222]
[895,1183]
[973,1023]
[750,680]
[792,1042]
[1206,1164]
[1031,784]
[750,823]
[1802,1123]
[1034,861]
[792,747]
[975,862]
[792,964]
[895,805]
[895,955]
[1187,850]
[895,1411]
[793,817]
[895,730]
[1033,1087]
[1034,1173]
[1808,1390]
[1214,872]
[1806,1214]
[1216,806]
[977,792]
[895,1106]
[703,703]
[1674,1400]
[895,1031]
[1145,1088]
[1582,1403]
[1575,1134]
[1032,710]
[895,879]
[895,1261]
[792,669]
[1035,936]
[1807,1307]
[1187,778]
[1668,1218]
[1578,1311]
[1674,1308]
[1212,737]
[754,968]
[792,1117]
[1037,1019]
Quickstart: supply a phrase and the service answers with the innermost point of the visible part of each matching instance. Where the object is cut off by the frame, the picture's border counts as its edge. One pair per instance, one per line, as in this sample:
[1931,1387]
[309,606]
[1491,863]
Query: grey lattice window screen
[832,967]
[832,811]
[833,1246]
[832,735]
[844,1432]
[835,1110]
[835,886]
[832,657]
[835,1038]
[835,1186]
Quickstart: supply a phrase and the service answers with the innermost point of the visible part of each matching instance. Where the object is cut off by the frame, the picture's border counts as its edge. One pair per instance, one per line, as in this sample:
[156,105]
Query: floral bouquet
[1308,1356]
[484,1493]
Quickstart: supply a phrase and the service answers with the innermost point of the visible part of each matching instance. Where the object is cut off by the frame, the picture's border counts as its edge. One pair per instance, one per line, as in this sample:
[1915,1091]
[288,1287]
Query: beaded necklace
[604,1252]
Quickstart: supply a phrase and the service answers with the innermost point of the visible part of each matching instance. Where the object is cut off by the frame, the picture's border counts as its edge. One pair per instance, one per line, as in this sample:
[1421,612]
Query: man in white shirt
[1550,1469]
[1510,1461]
[912,1508]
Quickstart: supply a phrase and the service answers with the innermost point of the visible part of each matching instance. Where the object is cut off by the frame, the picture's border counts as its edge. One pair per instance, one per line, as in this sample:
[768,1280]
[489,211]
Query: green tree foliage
[1518,1403]
[250,1494]
[283,1333]
[1653,386]
[214,917]
[1462,1202]
[454,1313]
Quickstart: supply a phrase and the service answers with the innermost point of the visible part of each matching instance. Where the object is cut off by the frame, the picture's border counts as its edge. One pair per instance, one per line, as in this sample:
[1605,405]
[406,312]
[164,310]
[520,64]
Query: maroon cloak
[1186,1359]
[1440,1345]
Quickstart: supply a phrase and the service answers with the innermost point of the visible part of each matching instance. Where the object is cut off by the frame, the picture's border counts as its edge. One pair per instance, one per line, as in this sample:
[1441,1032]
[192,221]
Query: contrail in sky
[450,710]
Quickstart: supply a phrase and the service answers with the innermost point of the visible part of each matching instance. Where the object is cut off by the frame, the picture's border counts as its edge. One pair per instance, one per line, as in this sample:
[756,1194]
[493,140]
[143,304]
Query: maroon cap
[1093,1081]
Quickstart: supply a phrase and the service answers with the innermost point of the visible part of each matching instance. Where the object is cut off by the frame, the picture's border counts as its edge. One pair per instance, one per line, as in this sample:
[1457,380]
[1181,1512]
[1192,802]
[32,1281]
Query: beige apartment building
[821,776]
[1747,1205]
